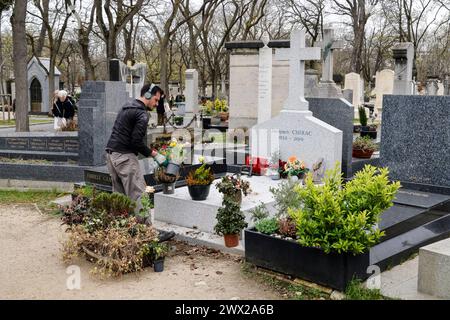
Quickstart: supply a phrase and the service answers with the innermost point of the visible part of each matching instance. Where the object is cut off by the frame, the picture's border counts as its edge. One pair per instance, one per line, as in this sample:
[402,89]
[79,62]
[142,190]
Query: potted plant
[363,118]
[363,147]
[175,157]
[230,222]
[295,169]
[366,130]
[199,182]
[154,253]
[178,120]
[221,108]
[336,224]
[167,181]
[233,187]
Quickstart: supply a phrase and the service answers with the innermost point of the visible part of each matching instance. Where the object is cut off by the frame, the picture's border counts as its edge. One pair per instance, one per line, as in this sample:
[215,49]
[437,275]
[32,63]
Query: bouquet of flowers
[233,187]
[170,157]
[295,167]
[207,108]
[220,105]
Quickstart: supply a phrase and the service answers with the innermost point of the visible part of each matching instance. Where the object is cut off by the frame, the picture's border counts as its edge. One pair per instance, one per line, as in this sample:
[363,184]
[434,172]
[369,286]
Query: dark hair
[155,89]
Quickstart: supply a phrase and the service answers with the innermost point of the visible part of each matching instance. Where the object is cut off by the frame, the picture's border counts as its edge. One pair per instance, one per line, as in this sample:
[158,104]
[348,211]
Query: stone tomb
[295,132]
[179,209]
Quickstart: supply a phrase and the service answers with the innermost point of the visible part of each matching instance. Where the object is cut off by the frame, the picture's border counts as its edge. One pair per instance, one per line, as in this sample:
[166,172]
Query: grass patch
[285,288]
[356,291]
[32,121]
[41,198]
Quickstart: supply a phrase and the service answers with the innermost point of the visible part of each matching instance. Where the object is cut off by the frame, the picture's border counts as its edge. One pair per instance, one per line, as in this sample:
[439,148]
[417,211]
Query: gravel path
[32,268]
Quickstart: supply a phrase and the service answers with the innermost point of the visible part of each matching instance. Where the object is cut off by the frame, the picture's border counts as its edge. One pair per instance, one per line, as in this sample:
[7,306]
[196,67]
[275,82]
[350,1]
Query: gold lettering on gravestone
[38,144]
[71,145]
[17,143]
[92,177]
[55,145]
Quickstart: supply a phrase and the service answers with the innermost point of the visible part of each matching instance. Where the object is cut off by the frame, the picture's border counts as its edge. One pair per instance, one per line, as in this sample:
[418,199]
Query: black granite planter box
[312,264]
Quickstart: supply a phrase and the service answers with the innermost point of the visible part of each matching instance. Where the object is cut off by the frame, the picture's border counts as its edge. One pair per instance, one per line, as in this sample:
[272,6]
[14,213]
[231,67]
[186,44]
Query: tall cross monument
[294,131]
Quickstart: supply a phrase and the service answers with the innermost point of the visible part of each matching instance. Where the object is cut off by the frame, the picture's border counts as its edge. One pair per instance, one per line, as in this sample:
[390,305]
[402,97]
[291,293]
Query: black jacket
[64,109]
[160,108]
[130,130]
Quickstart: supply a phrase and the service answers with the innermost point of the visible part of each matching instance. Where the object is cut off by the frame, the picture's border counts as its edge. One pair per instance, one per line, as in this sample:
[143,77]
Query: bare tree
[167,31]
[359,12]
[117,19]
[55,34]
[20,64]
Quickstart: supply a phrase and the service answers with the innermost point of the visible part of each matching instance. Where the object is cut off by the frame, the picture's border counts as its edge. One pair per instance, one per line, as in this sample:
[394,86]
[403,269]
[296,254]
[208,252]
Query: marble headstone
[353,82]
[191,91]
[295,131]
[415,140]
[384,84]
[432,87]
[403,54]
[265,82]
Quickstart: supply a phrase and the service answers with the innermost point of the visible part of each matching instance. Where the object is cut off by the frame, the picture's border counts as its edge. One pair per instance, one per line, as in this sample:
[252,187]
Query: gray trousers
[126,176]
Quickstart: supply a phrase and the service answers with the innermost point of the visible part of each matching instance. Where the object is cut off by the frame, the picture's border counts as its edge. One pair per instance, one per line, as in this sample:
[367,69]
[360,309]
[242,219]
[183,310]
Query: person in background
[66,106]
[160,109]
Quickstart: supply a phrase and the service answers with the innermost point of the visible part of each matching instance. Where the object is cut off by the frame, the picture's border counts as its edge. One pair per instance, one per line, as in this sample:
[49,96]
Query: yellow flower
[173,144]
[201,159]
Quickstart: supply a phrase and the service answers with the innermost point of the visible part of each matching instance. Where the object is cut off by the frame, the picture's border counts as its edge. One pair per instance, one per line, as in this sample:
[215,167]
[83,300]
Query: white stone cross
[297,54]
[328,44]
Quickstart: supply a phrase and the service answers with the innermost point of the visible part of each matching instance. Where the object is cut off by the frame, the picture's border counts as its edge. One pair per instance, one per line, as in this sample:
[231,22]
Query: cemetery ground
[31,235]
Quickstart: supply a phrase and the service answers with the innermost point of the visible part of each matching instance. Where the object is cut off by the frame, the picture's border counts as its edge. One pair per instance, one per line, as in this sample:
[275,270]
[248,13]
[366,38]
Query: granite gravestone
[339,114]
[403,54]
[100,101]
[191,91]
[295,132]
[415,140]
[265,82]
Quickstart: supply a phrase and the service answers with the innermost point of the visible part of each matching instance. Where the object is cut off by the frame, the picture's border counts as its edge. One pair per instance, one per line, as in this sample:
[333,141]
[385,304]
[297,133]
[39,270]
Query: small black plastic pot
[158,265]
[199,192]
[371,134]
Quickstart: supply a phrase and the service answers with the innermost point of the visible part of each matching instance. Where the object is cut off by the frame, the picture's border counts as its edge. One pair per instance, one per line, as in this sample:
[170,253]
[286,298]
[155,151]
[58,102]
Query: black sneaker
[165,235]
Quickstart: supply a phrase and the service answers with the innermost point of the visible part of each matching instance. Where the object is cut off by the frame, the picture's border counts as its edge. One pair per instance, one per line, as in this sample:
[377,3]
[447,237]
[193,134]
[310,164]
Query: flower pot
[158,265]
[231,240]
[362,154]
[206,123]
[199,192]
[223,116]
[172,169]
[168,188]
[312,264]
[368,133]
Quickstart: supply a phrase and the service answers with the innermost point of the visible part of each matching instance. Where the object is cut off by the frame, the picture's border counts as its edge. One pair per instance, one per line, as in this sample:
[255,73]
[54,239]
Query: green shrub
[259,212]
[364,143]
[285,197]
[362,116]
[267,225]
[343,218]
[114,203]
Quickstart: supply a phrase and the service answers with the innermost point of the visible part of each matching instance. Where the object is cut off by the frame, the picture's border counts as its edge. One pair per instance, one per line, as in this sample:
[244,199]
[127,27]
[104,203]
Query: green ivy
[343,218]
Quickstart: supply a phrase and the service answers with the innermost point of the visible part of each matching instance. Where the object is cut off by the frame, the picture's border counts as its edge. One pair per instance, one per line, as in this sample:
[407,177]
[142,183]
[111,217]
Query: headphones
[148,95]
